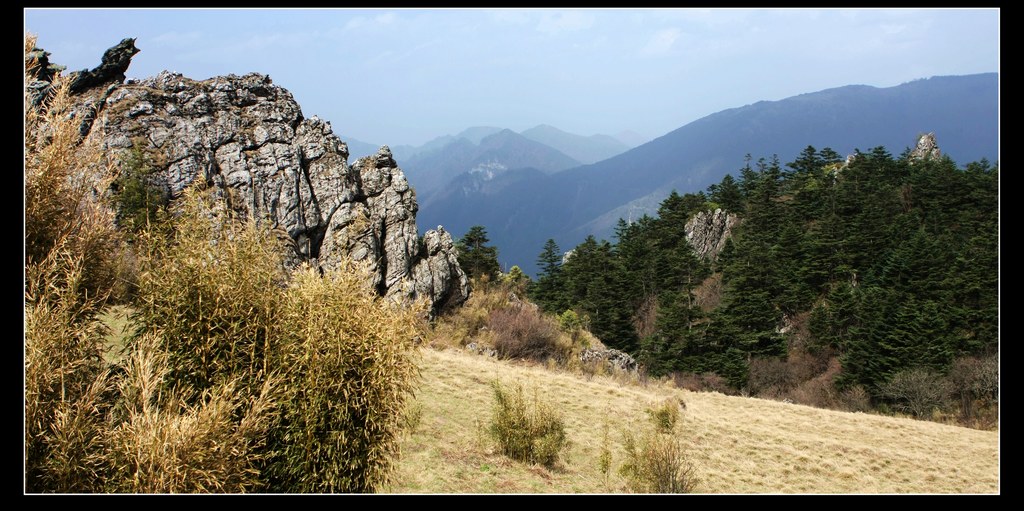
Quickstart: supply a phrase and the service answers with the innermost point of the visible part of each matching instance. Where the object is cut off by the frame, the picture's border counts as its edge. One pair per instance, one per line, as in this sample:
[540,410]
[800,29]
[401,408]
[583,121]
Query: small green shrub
[531,432]
[657,463]
[516,280]
[665,416]
[137,200]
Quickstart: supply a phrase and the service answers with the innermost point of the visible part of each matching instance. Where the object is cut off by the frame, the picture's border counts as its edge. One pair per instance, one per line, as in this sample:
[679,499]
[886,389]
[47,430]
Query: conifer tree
[475,257]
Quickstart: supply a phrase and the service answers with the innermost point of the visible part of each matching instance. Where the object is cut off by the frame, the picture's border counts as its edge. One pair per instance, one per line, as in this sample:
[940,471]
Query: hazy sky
[404,76]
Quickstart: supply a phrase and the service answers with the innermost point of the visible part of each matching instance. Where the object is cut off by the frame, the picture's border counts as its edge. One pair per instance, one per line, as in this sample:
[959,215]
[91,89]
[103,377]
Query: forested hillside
[849,283]
[574,203]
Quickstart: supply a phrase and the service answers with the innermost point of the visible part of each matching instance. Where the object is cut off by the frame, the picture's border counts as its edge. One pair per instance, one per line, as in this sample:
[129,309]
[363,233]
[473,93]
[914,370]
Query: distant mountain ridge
[963,111]
[505,150]
[590,149]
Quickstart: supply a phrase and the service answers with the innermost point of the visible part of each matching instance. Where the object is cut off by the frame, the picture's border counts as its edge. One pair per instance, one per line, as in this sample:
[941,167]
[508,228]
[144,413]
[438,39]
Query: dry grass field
[738,445]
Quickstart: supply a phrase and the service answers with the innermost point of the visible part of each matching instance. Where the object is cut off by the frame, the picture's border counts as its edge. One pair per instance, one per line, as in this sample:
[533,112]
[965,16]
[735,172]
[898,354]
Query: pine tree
[595,284]
[548,291]
[727,195]
[475,257]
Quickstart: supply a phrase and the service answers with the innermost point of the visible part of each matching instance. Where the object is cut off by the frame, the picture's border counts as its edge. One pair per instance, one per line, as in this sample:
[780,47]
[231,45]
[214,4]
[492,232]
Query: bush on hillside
[665,415]
[212,290]
[348,372]
[225,312]
[527,431]
[975,380]
[657,462]
[70,270]
[524,332]
[917,391]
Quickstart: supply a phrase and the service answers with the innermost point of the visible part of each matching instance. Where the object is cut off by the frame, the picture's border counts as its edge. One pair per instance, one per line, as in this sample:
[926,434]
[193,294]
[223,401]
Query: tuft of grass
[604,459]
[657,462]
[162,444]
[525,431]
[665,416]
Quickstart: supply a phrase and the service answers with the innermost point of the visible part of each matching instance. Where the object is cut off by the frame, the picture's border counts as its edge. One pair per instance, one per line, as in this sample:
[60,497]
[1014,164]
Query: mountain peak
[585,149]
[477,133]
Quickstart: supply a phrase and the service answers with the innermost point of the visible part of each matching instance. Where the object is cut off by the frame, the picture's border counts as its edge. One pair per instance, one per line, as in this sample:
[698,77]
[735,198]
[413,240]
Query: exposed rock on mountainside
[708,231]
[927,148]
[613,357]
[249,140]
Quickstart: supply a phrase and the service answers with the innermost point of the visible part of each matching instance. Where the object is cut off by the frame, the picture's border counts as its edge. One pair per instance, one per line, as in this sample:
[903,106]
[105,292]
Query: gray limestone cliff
[927,148]
[708,231]
[249,140]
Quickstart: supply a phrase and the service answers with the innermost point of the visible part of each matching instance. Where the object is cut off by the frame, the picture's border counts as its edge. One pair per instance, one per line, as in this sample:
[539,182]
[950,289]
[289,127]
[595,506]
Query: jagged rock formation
[114,63]
[708,231]
[927,148]
[38,62]
[248,140]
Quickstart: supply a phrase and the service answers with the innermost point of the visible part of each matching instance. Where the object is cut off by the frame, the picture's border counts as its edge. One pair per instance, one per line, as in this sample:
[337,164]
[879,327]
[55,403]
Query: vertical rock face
[708,231]
[248,140]
[927,148]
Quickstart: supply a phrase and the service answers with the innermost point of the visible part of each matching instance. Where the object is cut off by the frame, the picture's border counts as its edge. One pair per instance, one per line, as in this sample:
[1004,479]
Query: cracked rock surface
[249,140]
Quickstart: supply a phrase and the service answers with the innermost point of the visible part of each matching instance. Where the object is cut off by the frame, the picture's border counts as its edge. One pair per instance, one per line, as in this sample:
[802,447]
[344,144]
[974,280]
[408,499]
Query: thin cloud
[661,42]
[371,23]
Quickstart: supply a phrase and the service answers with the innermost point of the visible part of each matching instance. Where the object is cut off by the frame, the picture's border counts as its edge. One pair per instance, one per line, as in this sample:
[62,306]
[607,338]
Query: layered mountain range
[524,202]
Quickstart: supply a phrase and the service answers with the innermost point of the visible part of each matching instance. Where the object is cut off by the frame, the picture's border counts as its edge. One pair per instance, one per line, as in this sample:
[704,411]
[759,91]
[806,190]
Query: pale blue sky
[404,76]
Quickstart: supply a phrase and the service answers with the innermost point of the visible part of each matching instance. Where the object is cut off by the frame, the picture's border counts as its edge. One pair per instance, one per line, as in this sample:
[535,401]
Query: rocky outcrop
[613,357]
[37,63]
[927,148]
[248,140]
[112,66]
[708,231]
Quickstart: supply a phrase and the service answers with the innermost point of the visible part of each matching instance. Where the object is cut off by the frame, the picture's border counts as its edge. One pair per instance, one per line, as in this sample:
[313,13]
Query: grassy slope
[739,445]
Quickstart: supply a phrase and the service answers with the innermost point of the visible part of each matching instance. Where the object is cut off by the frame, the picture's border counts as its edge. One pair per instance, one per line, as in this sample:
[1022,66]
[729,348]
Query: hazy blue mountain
[962,111]
[631,138]
[473,134]
[476,134]
[584,149]
[504,150]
